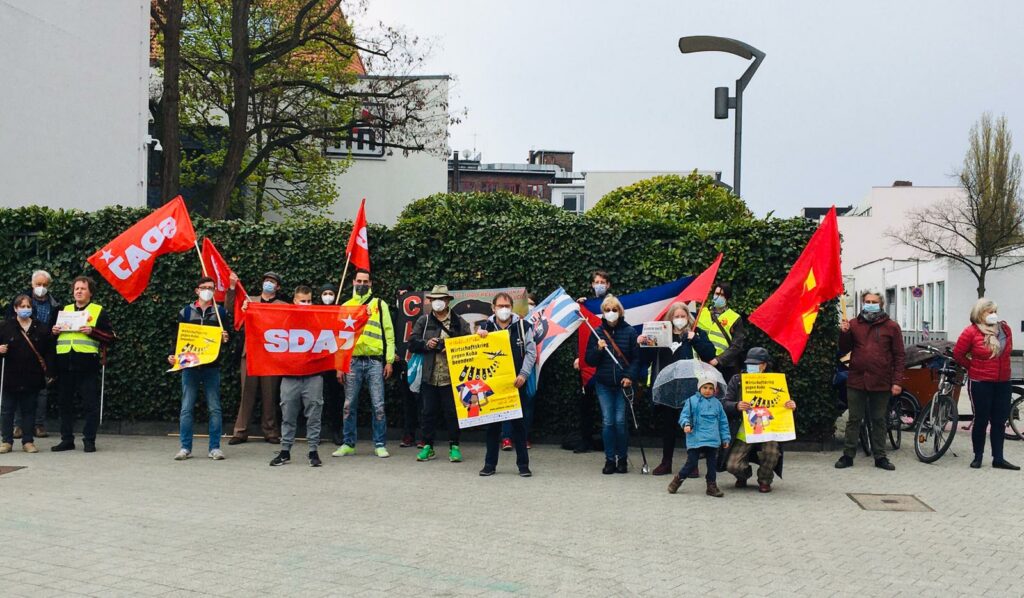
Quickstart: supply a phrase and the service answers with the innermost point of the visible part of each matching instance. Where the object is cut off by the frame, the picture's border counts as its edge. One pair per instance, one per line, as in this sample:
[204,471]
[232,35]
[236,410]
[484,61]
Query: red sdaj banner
[299,340]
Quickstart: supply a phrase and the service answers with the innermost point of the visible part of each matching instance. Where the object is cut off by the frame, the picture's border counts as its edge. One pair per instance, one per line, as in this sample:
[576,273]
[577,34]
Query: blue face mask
[600,289]
[268,286]
[872,308]
[25,313]
[719,302]
[753,368]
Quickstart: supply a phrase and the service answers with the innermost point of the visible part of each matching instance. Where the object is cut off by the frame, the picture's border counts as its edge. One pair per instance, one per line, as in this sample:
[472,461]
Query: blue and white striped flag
[554,319]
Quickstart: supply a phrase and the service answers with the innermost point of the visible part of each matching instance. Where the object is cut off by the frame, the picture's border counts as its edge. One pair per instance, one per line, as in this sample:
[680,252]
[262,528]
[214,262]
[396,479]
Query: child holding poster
[706,427]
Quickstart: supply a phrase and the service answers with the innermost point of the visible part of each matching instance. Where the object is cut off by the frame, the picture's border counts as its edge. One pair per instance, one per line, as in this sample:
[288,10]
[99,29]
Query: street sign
[918,292]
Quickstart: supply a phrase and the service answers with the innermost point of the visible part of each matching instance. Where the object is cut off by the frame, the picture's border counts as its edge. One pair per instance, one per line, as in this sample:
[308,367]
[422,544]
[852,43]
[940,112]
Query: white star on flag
[474,387]
[349,321]
[106,256]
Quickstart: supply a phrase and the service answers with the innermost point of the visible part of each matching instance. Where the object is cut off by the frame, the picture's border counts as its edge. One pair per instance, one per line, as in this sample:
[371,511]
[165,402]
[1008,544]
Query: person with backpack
[372,361]
[203,312]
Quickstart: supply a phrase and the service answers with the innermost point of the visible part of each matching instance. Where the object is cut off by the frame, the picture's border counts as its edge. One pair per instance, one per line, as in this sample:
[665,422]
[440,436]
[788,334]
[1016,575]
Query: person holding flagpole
[202,312]
[601,285]
[78,366]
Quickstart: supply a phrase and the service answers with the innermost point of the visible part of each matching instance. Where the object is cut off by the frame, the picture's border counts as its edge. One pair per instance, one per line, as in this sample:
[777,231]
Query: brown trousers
[269,388]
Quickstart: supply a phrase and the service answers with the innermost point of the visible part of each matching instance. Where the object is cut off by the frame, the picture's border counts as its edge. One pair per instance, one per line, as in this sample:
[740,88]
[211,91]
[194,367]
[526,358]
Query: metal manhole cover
[8,469]
[890,502]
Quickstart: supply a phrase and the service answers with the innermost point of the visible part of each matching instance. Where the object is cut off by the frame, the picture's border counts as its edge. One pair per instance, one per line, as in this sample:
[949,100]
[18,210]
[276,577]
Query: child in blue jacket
[706,427]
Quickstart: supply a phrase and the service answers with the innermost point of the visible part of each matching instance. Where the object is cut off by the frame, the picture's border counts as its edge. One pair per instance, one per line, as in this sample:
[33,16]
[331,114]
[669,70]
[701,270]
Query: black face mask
[361,289]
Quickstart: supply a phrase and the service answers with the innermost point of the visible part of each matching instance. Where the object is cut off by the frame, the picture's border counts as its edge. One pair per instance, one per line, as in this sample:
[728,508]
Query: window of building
[573,202]
[940,306]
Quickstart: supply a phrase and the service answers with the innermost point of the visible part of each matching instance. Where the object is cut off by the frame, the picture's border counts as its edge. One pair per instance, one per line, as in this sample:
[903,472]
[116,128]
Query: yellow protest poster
[768,418]
[483,379]
[197,345]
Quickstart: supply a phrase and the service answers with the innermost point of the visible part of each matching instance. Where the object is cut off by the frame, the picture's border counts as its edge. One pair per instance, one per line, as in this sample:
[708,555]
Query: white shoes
[217,454]
[182,455]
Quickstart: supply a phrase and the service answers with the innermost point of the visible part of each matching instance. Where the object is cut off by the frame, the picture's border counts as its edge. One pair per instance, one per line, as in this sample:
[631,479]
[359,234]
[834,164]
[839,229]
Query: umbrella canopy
[678,382]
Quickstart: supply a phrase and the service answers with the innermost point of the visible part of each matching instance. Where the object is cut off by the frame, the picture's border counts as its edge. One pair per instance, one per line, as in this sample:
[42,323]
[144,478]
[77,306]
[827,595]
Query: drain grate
[890,502]
[8,468]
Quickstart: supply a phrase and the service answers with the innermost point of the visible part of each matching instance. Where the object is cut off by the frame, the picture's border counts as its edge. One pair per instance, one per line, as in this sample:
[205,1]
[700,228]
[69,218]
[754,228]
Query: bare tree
[983,230]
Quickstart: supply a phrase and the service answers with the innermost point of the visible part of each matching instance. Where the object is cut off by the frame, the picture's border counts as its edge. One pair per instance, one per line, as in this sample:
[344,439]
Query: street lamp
[710,43]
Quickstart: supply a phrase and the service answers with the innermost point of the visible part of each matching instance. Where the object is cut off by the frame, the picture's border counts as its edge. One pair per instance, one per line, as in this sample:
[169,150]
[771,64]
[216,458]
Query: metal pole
[738,141]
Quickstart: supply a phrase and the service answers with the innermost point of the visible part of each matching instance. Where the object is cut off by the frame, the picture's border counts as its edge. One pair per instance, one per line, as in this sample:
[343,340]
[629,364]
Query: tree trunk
[981,282]
[238,118]
[171,101]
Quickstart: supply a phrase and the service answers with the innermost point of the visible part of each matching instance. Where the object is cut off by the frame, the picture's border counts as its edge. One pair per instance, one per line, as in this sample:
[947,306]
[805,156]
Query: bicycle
[900,416]
[936,425]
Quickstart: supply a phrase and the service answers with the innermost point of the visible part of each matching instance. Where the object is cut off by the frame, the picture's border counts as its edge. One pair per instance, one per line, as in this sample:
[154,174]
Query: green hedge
[462,240]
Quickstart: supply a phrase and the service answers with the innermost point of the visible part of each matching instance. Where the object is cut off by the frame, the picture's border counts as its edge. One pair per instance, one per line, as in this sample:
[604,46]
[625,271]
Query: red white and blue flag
[554,319]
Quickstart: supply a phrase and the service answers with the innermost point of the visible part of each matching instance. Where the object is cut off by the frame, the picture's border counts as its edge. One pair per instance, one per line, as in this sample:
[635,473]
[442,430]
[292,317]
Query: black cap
[758,355]
[329,287]
[274,275]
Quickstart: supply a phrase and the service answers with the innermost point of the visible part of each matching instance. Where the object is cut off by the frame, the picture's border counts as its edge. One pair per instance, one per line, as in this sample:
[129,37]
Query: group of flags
[787,315]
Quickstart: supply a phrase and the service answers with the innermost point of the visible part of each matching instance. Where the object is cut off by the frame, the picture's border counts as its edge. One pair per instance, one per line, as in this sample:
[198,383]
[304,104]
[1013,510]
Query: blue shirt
[42,309]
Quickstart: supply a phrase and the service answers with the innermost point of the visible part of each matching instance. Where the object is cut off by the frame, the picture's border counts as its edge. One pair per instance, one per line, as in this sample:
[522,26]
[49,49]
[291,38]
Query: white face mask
[205,294]
[503,313]
[679,323]
[992,319]
[439,304]
[327,298]
[611,316]
[39,291]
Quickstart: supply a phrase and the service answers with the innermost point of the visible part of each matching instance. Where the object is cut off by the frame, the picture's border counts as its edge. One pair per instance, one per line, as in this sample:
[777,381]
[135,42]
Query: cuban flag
[554,319]
[644,306]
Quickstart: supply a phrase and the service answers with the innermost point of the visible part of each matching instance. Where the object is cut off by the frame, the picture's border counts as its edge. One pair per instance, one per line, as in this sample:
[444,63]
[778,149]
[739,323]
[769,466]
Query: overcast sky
[850,95]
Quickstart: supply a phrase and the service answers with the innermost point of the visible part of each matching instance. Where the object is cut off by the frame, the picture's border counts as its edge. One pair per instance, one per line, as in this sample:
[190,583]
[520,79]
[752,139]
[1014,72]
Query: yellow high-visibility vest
[371,342]
[76,341]
[727,319]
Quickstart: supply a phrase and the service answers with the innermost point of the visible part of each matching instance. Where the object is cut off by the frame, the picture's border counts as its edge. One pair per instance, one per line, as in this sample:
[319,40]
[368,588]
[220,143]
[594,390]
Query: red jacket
[973,353]
[878,358]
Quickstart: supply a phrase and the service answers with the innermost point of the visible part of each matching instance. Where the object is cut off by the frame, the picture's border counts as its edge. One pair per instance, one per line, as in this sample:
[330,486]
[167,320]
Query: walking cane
[103,381]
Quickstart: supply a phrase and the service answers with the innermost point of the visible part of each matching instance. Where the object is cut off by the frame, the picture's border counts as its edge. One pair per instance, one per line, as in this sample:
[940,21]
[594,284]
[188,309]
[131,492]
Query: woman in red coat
[984,349]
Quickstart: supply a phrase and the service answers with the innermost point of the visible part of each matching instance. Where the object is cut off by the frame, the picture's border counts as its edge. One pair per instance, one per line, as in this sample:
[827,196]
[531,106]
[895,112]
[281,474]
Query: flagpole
[842,302]
[344,273]
[216,311]
[606,349]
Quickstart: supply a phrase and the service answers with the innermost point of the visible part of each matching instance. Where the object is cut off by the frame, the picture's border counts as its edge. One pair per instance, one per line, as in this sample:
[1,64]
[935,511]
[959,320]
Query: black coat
[22,370]
[607,372]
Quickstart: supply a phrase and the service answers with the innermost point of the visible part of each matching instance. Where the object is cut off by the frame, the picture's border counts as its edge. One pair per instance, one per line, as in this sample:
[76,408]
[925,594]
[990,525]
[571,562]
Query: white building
[946,290]
[74,77]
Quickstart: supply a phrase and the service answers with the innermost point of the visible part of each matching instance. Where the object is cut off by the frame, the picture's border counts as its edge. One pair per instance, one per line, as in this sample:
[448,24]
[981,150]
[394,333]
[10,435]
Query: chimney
[902,184]
[529,160]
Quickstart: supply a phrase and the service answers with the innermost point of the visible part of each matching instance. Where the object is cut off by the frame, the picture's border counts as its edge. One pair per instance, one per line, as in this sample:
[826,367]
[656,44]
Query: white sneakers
[382,452]
[182,455]
[216,454]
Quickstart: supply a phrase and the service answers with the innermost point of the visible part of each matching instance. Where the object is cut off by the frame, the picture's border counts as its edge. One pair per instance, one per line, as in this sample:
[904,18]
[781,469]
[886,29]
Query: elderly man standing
[876,373]
[44,311]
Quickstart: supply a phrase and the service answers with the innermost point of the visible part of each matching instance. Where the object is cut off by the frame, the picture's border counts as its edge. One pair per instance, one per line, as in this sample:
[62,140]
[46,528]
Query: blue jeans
[190,380]
[613,425]
[528,405]
[369,372]
[710,461]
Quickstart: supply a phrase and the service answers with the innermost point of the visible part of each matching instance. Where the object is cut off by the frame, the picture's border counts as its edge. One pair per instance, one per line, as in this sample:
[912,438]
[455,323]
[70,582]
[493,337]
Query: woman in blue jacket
[612,380]
[688,342]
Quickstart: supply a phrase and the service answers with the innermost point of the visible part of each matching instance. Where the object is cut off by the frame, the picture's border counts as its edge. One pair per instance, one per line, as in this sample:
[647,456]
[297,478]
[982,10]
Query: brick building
[533,179]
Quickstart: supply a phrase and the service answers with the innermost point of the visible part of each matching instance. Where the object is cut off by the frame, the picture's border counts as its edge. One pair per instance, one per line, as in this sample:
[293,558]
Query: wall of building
[73,102]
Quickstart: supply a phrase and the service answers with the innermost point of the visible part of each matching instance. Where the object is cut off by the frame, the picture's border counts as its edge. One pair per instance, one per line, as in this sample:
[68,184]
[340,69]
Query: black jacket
[427,327]
[55,307]
[658,358]
[22,370]
[607,372]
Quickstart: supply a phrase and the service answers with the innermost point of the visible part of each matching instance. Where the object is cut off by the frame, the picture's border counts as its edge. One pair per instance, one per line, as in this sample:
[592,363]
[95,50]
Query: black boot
[1004,464]
[623,465]
[89,446]
[64,445]
[609,467]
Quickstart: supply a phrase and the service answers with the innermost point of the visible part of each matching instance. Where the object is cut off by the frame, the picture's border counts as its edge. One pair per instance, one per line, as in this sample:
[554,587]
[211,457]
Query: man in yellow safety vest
[725,330]
[78,365]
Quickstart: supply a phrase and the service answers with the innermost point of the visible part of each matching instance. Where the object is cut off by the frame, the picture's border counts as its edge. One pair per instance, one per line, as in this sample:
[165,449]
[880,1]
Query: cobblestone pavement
[130,521]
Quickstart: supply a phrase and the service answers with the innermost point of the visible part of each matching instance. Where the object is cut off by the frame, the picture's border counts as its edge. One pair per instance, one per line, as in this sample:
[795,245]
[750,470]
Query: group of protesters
[41,357]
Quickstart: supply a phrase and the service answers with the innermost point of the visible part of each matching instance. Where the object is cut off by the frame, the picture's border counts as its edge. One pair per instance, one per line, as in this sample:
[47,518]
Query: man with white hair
[44,311]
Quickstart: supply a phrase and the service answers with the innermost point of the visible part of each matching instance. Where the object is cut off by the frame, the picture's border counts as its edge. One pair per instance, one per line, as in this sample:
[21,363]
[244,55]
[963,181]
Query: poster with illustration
[196,345]
[483,379]
[768,418]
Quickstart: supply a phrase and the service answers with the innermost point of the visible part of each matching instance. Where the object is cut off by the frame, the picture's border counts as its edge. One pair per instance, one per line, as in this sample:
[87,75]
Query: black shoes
[281,458]
[1004,464]
[314,459]
[609,467]
[488,470]
[622,467]
[883,463]
[524,472]
[976,464]
[844,462]
[64,445]
[89,446]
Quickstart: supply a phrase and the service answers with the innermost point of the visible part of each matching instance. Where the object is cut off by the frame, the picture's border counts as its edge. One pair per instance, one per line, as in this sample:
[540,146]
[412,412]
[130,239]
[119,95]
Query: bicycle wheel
[935,429]
[893,425]
[1015,424]
[907,408]
[865,437]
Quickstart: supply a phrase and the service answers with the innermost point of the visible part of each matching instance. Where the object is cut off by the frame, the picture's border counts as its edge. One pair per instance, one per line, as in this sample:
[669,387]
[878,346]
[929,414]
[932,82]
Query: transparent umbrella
[678,382]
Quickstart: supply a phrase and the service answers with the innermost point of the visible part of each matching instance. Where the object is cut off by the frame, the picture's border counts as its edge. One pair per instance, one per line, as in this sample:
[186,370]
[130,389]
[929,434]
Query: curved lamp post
[710,43]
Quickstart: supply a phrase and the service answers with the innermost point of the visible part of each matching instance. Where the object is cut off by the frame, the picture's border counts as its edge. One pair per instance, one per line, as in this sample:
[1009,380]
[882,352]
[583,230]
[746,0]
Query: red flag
[127,261]
[217,268]
[299,340]
[358,250]
[240,297]
[586,370]
[789,313]
[698,288]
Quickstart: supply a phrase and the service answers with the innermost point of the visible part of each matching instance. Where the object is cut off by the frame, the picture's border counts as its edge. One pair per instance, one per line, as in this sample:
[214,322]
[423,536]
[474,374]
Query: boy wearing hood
[524,356]
[707,428]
